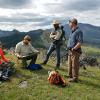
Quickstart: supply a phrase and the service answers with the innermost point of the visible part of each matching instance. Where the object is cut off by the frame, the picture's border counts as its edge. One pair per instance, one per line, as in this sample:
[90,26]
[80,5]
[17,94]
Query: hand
[38,52]
[19,56]
[9,60]
[54,33]
[72,49]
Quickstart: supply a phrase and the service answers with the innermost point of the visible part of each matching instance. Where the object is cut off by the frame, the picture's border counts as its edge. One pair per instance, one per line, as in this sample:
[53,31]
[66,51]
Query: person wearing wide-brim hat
[55,35]
[25,51]
[74,49]
[55,22]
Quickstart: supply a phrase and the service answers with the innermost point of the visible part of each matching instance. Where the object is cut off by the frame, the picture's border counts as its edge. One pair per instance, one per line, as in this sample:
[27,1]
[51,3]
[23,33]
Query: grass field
[38,88]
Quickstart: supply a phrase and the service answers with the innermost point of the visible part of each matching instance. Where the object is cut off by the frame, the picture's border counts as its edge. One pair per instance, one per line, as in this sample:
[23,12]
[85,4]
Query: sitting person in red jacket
[2,57]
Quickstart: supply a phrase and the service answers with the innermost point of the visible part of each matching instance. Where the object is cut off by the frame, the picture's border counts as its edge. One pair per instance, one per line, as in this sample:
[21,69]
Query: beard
[26,43]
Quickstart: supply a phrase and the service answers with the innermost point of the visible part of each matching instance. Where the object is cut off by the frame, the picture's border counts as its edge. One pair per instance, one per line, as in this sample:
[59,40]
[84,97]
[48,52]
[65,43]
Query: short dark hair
[73,20]
[27,37]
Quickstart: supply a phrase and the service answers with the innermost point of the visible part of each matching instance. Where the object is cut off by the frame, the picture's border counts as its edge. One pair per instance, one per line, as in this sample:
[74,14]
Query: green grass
[39,88]
[91,51]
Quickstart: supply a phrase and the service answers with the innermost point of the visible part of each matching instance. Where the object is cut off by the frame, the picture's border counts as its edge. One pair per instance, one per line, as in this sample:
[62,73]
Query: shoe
[44,63]
[72,80]
[57,67]
[67,76]
[5,77]
[24,68]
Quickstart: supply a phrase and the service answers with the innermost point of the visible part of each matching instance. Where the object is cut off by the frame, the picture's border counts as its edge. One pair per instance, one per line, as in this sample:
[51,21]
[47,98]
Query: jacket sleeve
[2,56]
[52,36]
[17,49]
[80,37]
[33,49]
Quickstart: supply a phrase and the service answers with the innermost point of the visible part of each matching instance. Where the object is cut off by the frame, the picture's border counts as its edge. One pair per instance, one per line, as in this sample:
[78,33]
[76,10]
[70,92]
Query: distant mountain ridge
[91,33]
[40,38]
[10,40]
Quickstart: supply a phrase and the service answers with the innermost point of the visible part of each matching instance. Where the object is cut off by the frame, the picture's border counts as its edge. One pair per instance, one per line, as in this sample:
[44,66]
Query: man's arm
[80,41]
[52,35]
[33,49]
[78,45]
[17,51]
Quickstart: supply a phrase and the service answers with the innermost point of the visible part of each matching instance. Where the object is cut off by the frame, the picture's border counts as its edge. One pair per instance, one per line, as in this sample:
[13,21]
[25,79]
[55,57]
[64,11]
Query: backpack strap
[63,33]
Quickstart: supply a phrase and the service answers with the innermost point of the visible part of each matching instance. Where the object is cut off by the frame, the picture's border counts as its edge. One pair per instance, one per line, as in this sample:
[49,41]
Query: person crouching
[25,51]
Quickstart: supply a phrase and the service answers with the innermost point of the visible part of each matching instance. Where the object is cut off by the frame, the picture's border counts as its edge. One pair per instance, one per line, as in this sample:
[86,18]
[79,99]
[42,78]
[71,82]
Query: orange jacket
[2,57]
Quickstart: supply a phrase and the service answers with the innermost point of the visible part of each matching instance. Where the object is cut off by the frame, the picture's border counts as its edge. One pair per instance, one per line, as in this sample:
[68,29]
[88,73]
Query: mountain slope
[12,40]
[91,33]
[40,38]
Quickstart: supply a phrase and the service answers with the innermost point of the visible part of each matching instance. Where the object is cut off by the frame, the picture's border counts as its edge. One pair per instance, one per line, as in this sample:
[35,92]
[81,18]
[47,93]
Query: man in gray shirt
[25,51]
[74,49]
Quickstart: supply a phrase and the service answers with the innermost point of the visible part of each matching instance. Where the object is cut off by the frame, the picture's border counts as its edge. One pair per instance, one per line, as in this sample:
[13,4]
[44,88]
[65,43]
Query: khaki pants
[73,64]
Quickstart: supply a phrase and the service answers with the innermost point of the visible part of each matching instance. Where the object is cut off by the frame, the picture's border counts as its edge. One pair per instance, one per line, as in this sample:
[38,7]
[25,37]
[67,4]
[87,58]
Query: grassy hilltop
[38,88]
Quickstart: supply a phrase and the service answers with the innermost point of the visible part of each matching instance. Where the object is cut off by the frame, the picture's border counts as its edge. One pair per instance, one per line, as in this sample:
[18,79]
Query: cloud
[20,14]
[83,5]
[22,18]
[25,27]
[13,4]
[67,5]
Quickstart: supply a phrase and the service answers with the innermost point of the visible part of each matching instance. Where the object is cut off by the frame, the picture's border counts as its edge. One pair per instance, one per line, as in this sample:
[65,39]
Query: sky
[26,15]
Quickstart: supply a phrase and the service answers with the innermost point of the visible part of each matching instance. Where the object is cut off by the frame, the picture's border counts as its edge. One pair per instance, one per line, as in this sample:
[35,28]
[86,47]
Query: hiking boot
[72,80]
[57,66]
[44,63]
[68,76]
[5,77]
[24,68]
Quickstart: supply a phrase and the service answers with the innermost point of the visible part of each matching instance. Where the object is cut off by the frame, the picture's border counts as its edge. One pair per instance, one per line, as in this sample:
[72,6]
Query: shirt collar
[23,43]
[57,29]
[74,29]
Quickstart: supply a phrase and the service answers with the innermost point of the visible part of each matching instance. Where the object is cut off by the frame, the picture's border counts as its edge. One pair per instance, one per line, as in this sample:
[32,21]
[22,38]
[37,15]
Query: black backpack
[6,70]
[63,34]
[62,39]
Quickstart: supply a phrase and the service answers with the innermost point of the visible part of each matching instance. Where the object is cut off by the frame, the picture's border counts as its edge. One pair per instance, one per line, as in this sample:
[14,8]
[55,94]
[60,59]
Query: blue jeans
[51,49]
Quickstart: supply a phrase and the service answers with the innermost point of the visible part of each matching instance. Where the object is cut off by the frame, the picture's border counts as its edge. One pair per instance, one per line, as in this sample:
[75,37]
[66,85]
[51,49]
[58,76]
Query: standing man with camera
[56,36]
[74,50]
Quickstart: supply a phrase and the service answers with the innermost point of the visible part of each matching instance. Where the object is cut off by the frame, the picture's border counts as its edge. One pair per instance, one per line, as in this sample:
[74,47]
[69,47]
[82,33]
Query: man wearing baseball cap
[55,45]
[25,51]
[74,49]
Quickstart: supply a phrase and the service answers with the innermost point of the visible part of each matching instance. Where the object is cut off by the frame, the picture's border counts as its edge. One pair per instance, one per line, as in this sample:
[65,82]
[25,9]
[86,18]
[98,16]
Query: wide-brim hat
[55,22]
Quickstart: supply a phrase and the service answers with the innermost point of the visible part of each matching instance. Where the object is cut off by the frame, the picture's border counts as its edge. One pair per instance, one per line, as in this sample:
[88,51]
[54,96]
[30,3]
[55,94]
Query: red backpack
[56,79]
